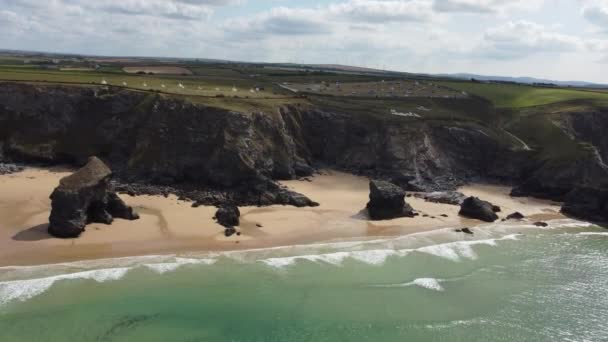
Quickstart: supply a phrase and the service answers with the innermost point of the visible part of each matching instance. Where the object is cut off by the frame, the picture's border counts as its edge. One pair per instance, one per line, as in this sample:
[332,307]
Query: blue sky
[557,39]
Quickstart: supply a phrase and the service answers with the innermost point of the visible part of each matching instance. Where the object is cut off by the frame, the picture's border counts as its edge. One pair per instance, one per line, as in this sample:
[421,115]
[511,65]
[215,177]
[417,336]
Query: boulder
[465,230]
[228,216]
[444,197]
[475,208]
[228,232]
[587,203]
[85,197]
[6,169]
[541,224]
[387,201]
[516,216]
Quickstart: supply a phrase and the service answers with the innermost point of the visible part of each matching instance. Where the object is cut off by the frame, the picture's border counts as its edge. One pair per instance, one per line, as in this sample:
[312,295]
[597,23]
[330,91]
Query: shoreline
[168,226]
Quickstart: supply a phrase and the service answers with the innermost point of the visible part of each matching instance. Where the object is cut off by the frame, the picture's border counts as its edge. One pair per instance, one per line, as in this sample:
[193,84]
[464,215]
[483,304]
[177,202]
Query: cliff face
[418,155]
[145,138]
[150,139]
[556,177]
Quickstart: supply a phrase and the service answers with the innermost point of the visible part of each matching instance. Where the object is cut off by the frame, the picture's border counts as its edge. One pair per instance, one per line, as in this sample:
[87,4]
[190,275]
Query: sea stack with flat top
[86,197]
[387,201]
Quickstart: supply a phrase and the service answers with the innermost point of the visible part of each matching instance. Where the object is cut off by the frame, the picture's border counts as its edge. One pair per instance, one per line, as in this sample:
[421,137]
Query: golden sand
[171,226]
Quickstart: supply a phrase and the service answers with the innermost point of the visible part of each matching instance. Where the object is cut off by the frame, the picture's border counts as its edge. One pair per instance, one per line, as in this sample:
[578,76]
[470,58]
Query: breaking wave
[20,283]
[25,289]
[593,234]
[426,283]
[453,251]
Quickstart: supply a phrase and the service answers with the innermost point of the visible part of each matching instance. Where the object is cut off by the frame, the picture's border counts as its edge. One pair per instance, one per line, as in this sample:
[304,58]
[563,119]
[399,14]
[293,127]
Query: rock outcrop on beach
[443,197]
[587,203]
[6,169]
[85,197]
[467,231]
[475,208]
[228,216]
[516,216]
[387,201]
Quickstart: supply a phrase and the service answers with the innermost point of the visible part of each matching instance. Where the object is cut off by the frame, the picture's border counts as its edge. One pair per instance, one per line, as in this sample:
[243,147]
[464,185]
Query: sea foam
[453,251]
[593,234]
[23,290]
[25,282]
[166,267]
[426,283]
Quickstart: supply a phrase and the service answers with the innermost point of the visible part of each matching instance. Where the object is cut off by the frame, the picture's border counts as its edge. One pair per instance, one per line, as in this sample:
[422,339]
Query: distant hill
[335,68]
[526,80]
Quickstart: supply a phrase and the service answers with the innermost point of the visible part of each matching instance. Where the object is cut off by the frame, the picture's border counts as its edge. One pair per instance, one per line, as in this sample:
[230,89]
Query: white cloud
[176,9]
[484,6]
[518,39]
[375,11]
[597,13]
[278,21]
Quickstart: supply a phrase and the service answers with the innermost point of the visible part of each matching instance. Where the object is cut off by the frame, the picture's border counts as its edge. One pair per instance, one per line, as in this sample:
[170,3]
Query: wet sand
[171,226]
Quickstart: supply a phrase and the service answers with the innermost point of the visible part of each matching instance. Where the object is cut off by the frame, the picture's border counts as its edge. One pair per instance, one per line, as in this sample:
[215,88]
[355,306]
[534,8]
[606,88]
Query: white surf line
[23,290]
[523,143]
[593,234]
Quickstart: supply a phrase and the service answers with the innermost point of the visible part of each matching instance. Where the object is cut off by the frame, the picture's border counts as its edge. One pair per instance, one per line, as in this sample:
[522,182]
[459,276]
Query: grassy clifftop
[519,96]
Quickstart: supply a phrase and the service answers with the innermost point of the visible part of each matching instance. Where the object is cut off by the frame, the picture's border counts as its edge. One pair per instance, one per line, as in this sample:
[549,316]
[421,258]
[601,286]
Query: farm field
[518,96]
[393,88]
[166,84]
[251,86]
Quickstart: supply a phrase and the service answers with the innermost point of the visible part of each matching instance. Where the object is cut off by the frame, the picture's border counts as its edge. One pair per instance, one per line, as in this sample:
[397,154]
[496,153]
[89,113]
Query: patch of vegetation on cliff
[538,127]
[519,95]
[246,105]
[412,109]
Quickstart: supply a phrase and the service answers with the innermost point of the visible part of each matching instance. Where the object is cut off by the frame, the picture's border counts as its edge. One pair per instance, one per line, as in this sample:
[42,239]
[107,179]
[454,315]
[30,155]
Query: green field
[193,86]
[249,86]
[518,96]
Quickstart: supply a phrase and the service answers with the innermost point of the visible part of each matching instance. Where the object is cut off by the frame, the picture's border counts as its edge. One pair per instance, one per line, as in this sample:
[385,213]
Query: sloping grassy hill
[518,96]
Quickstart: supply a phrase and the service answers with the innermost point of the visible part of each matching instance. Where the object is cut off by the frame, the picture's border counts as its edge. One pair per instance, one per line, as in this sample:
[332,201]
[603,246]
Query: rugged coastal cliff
[157,144]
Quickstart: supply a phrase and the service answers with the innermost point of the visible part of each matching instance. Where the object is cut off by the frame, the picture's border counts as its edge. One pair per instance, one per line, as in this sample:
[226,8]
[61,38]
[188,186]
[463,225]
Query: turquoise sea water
[507,283]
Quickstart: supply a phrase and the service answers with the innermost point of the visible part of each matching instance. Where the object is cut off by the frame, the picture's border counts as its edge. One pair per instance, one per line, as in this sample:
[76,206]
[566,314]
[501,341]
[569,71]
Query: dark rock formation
[496,209]
[229,231]
[515,216]
[475,208]
[587,203]
[228,216]
[85,197]
[387,201]
[465,230]
[444,197]
[6,169]
[212,156]
[541,224]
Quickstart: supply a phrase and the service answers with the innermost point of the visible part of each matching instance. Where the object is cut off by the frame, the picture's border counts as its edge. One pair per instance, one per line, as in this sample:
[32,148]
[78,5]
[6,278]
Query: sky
[554,39]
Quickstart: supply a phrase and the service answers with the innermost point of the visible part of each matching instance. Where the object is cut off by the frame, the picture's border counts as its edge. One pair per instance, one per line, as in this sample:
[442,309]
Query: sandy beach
[171,226]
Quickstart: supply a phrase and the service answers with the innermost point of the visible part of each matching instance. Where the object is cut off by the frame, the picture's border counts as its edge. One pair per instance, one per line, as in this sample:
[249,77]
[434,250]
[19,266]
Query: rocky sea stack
[475,208]
[85,197]
[387,201]
[228,216]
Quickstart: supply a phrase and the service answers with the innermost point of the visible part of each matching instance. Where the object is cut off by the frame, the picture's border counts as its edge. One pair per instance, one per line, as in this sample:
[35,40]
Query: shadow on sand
[36,233]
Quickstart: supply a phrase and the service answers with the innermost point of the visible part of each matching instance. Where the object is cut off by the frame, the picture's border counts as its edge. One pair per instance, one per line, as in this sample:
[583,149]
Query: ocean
[508,282]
